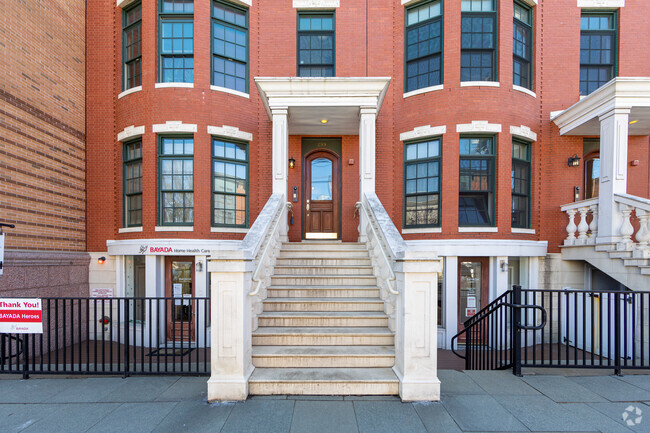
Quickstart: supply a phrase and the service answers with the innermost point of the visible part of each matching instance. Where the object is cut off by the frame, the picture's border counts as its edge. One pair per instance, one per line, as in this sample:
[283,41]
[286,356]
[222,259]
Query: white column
[613,171]
[231,339]
[280,149]
[416,339]
[451,299]
[367,150]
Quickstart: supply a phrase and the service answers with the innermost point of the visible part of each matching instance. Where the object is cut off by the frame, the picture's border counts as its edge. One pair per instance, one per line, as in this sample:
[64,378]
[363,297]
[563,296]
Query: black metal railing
[607,329]
[116,336]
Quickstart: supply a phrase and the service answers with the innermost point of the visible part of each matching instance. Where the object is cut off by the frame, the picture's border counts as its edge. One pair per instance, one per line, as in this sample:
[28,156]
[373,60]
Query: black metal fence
[604,329]
[120,336]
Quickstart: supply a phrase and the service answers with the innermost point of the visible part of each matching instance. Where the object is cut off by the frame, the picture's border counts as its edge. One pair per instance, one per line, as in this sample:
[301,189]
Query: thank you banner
[21,316]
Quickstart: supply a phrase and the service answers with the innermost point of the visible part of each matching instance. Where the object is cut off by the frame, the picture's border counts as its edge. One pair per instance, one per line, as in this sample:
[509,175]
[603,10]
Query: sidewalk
[472,401]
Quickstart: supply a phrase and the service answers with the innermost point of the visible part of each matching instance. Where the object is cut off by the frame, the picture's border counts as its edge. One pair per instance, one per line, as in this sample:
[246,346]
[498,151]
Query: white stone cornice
[523,132]
[124,3]
[172,85]
[423,132]
[316,4]
[130,132]
[478,126]
[174,126]
[129,91]
[246,3]
[609,4]
[230,132]
[531,3]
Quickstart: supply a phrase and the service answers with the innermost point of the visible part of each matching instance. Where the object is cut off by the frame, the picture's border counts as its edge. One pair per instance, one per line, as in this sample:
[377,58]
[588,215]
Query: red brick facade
[369,42]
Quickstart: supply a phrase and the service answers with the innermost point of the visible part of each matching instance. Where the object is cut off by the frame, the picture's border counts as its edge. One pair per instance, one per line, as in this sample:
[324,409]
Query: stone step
[323,356]
[326,254]
[323,280]
[620,254]
[320,336]
[319,318]
[322,246]
[605,247]
[323,270]
[320,261]
[645,270]
[328,304]
[323,292]
[636,262]
[323,381]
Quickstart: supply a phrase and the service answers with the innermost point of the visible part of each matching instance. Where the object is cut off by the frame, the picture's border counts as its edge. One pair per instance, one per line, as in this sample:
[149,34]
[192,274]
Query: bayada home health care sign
[21,316]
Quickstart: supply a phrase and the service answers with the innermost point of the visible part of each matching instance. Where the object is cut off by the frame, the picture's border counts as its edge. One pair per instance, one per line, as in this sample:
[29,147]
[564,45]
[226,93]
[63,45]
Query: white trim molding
[247,3]
[129,91]
[231,91]
[174,228]
[524,90]
[168,85]
[522,231]
[230,132]
[478,126]
[423,90]
[601,4]
[130,132]
[422,230]
[423,132]
[480,247]
[130,229]
[228,230]
[316,4]
[478,230]
[523,132]
[174,126]
[531,3]
[479,84]
[124,3]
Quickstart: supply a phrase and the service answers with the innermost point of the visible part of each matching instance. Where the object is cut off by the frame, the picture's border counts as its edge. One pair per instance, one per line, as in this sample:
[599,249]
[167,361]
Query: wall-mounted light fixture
[503,264]
[576,193]
[323,121]
[574,161]
[101,260]
[199,266]
[292,162]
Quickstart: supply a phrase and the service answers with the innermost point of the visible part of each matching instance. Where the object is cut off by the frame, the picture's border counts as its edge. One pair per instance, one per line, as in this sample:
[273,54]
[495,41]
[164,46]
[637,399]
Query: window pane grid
[477,176]
[424,53]
[422,183]
[597,51]
[177,49]
[316,45]
[229,184]
[177,180]
[423,12]
[521,156]
[477,47]
[477,5]
[132,42]
[229,47]
[177,6]
[133,183]
[522,48]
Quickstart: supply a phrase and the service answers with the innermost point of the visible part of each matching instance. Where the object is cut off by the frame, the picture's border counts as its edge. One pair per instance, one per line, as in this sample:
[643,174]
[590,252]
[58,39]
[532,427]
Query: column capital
[367,110]
[279,111]
[614,111]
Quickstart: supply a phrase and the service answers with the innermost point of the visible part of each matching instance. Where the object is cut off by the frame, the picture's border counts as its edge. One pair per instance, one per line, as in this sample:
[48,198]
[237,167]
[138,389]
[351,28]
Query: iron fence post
[127,343]
[25,357]
[515,314]
[617,333]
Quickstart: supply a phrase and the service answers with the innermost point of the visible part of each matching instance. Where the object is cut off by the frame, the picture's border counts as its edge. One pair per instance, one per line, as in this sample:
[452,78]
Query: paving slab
[17,417]
[539,413]
[195,417]
[387,417]
[316,397]
[501,383]
[454,382]
[481,413]
[595,418]
[31,390]
[71,417]
[435,418]
[140,389]
[268,416]
[324,417]
[372,397]
[86,390]
[641,381]
[615,412]
[186,388]
[134,417]
[613,389]
[562,390]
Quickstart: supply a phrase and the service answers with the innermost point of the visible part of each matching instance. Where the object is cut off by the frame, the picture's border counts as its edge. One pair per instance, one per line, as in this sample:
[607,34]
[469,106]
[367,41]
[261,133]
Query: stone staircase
[323,330]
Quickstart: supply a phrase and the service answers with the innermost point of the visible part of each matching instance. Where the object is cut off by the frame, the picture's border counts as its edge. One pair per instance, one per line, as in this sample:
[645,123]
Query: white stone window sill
[231,91]
[480,84]
[228,230]
[524,90]
[174,228]
[129,91]
[423,90]
[478,229]
[168,85]
[130,229]
[422,230]
[523,231]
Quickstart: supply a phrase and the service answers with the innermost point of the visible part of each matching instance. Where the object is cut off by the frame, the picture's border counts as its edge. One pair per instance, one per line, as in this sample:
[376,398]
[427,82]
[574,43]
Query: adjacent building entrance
[473,287]
[322,192]
[179,279]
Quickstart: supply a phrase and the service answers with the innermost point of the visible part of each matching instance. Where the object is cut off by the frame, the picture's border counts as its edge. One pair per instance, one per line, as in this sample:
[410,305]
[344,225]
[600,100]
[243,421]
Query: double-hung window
[522,46]
[229,183]
[521,155]
[176,34]
[132,46]
[133,184]
[477,177]
[478,40]
[229,47]
[422,174]
[597,50]
[424,45]
[176,170]
[316,44]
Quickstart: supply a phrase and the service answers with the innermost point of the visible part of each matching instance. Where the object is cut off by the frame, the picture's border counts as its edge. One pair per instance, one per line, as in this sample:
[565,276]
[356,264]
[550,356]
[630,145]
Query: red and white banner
[21,316]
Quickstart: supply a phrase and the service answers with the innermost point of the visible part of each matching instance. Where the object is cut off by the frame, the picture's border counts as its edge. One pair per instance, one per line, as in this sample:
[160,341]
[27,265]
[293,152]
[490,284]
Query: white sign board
[2,252]
[21,316]
[101,292]
[178,290]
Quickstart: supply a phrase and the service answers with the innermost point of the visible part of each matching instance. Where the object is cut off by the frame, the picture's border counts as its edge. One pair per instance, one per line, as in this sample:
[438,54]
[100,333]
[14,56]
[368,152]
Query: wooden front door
[321,199]
[473,288]
[179,285]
